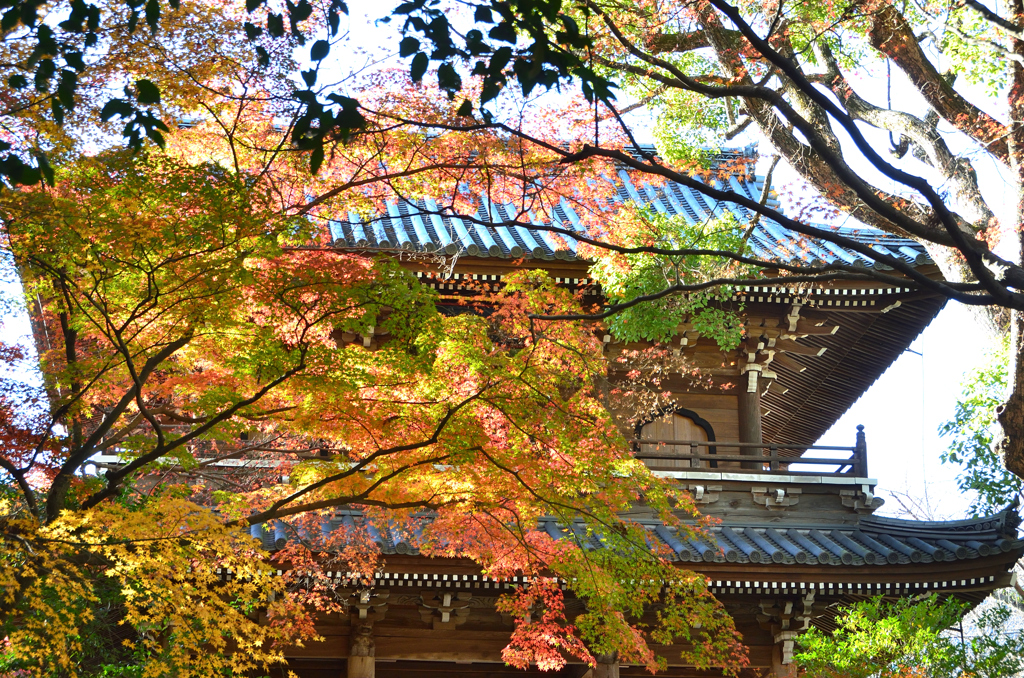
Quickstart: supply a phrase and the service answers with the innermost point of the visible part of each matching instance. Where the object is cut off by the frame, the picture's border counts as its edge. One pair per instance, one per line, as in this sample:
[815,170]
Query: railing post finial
[861,452]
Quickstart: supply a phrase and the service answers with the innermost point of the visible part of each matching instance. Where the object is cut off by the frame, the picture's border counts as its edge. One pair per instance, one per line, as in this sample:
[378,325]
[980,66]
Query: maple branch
[763,201]
[366,461]
[668,173]
[979,258]
[993,18]
[654,94]
[947,289]
[26,489]
[118,436]
[139,401]
[827,149]
[572,509]
[341,188]
[62,481]
[115,477]
[677,288]
[891,35]
[930,147]
[362,497]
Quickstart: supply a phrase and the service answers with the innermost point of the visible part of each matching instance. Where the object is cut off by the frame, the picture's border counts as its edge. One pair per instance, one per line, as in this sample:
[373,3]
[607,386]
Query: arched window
[675,424]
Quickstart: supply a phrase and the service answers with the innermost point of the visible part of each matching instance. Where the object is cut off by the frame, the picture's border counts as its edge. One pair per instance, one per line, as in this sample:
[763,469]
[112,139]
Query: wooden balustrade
[771,456]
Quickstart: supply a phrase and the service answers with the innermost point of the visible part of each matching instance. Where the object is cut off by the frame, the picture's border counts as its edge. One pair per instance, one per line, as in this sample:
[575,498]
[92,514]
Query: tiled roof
[416,226]
[873,541]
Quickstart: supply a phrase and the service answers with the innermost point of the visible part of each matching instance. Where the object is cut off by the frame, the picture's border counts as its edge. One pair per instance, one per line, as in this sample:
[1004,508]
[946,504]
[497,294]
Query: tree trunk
[1010,439]
[1010,442]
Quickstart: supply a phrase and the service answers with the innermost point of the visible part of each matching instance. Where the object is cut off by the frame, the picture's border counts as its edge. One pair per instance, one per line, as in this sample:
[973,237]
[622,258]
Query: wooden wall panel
[719,410]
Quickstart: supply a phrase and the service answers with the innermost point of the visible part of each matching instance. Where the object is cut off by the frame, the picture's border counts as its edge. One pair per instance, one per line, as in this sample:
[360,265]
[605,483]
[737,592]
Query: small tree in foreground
[971,434]
[909,638]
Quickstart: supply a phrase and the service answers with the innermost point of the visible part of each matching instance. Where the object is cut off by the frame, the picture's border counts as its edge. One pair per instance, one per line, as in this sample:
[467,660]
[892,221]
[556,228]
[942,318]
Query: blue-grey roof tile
[418,226]
[872,541]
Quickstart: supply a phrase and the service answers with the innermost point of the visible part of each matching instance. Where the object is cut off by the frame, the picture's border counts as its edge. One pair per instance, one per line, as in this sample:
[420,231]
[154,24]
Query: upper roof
[416,226]
[817,388]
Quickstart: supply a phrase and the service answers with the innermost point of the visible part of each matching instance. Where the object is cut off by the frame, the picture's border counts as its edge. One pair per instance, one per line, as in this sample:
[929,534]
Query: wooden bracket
[446,609]
[776,498]
[369,605]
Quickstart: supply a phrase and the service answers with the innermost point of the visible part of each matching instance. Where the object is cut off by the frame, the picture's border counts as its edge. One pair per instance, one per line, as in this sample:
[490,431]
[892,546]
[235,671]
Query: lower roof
[873,541]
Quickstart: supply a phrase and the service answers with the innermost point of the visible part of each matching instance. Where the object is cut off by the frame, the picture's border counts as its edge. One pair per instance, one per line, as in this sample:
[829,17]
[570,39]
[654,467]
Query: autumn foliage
[188,310]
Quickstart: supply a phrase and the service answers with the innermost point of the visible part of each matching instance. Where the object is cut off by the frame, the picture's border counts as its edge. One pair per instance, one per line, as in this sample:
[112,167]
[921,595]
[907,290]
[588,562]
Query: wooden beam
[780,670]
[361,663]
[788,363]
[790,346]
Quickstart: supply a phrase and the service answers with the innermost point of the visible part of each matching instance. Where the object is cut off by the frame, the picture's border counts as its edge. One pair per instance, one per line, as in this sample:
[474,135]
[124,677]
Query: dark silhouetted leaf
[75,60]
[319,50]
[449,79]
[252,31]
[147,93]
[275,25]
[419,67]
[316,159]
[504,32]
[153,14]
[408,46]
[118,107]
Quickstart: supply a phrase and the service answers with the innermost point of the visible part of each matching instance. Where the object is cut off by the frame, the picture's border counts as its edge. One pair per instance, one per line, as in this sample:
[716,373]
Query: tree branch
[891,35]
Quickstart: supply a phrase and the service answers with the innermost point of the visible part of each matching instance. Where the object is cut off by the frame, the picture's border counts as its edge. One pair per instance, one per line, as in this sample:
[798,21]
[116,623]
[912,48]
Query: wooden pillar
[361,667]
[361,662]
[750,415]
[607,666]
[779,669]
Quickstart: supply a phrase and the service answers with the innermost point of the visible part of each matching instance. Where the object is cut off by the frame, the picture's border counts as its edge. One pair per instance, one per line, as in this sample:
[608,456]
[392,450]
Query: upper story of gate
[808,351]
